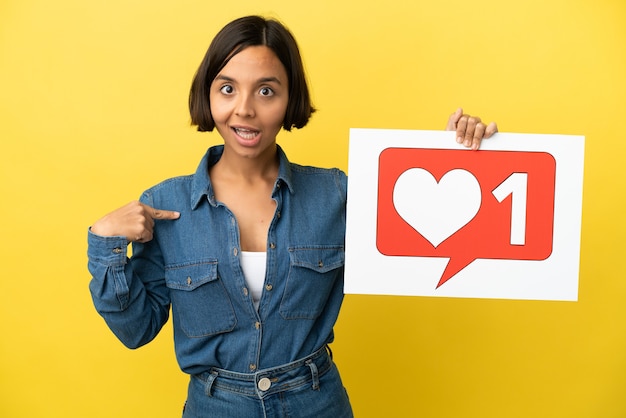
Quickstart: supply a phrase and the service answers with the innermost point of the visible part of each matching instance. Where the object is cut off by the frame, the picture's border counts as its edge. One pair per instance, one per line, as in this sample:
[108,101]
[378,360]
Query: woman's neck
[234,167]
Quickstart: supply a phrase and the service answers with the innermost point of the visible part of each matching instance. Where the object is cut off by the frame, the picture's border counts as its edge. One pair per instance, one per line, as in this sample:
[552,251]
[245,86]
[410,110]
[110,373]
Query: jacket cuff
[111,251]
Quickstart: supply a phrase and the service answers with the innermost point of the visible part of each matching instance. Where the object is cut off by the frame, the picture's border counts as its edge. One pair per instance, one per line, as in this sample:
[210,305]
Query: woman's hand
[135,221]
[470,130]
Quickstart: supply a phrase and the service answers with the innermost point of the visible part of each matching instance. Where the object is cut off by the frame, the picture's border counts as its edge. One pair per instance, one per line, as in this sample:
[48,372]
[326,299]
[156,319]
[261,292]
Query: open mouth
[245,133]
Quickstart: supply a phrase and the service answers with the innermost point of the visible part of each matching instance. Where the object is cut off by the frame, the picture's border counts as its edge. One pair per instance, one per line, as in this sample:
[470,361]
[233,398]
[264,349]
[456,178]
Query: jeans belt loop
[314,374]
[208,386]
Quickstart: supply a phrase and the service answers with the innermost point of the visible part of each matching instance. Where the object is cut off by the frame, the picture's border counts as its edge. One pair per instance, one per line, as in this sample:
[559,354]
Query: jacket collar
[201,184]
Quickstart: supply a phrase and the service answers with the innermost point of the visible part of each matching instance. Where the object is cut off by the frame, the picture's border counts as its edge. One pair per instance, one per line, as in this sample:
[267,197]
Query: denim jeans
[307,388]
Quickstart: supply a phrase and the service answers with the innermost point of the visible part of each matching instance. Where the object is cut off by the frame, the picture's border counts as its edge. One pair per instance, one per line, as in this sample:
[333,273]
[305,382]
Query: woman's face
[249,101]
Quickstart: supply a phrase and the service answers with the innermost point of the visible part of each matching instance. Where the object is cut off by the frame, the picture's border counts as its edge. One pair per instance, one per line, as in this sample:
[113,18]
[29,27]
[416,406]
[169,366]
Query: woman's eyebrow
[260,80]
[224,78]
[269,80]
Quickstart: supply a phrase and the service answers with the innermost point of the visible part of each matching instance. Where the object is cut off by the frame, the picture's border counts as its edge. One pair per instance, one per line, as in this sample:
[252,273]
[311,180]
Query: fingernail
[459,140]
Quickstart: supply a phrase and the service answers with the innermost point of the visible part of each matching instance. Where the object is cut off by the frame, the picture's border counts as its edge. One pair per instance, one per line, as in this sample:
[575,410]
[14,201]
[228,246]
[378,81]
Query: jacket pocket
[313,272]
[200,303]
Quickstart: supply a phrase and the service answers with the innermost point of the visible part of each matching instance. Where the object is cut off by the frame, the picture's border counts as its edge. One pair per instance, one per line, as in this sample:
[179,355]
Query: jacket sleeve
[129,293]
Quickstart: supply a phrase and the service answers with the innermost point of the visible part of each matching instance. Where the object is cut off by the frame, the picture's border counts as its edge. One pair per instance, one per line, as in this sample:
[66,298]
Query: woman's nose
[244,106]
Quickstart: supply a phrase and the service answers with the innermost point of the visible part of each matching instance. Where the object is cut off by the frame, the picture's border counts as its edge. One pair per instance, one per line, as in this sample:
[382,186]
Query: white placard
[428,217]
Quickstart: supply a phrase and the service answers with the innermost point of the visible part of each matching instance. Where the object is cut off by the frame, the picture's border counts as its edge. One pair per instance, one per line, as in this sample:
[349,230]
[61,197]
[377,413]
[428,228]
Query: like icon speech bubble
[465,205]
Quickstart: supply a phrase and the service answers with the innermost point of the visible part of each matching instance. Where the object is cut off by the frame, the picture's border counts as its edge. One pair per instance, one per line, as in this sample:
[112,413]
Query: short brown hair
[232,39]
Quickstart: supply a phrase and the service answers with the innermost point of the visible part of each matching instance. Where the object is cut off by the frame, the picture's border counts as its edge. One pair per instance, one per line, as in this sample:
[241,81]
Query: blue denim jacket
[192,265]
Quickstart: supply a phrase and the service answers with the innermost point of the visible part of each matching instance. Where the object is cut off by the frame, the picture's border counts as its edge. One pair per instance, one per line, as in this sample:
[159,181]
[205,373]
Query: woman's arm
[130,294]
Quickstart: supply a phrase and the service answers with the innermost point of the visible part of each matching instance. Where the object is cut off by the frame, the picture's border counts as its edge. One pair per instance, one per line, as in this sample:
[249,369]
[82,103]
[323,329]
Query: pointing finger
[162,214]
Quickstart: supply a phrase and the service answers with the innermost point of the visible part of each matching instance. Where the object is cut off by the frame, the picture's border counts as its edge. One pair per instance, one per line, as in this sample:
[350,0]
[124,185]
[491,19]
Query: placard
[428,217]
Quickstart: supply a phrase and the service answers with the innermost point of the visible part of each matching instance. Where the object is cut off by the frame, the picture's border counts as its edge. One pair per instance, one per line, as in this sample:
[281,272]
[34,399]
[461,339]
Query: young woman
[248,251]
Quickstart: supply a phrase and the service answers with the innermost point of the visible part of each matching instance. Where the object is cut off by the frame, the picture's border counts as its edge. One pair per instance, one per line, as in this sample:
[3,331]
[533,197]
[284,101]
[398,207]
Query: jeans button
[264,384]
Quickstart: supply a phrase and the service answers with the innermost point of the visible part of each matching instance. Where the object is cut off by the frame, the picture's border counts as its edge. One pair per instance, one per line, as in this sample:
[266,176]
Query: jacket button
[269,287]
[264,384]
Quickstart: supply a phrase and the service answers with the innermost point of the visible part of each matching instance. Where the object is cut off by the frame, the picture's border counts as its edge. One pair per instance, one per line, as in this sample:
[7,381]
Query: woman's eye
[227,89]
[266,91]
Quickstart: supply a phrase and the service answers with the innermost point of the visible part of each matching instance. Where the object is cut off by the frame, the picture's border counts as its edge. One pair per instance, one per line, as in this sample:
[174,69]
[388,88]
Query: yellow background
[93,110]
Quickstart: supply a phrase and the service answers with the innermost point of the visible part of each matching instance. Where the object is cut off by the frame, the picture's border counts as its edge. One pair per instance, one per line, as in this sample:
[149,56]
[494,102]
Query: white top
[253,265]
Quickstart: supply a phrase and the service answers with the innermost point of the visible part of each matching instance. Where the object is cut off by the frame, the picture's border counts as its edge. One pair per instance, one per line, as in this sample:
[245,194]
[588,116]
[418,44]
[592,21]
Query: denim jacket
[193,265]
